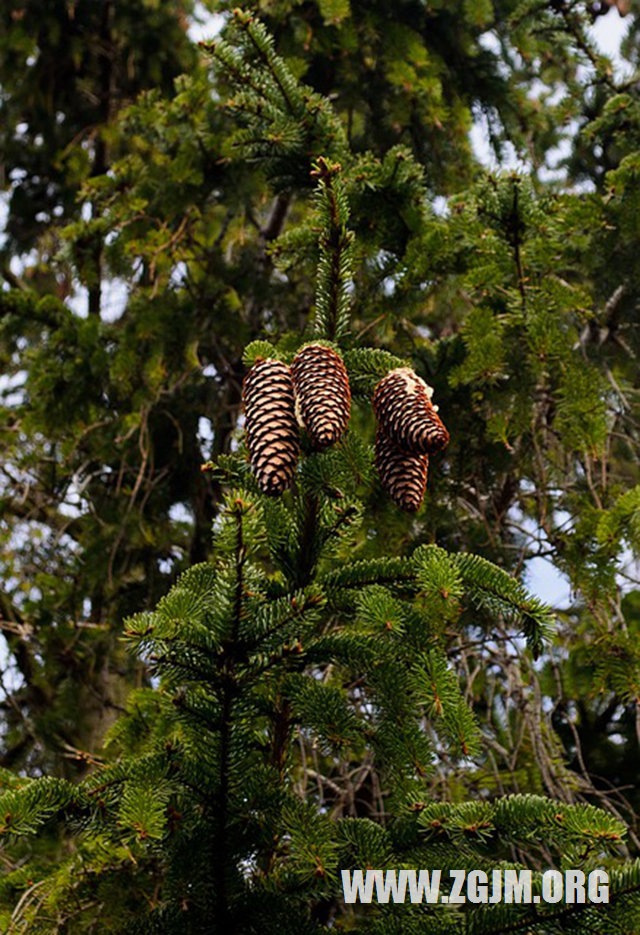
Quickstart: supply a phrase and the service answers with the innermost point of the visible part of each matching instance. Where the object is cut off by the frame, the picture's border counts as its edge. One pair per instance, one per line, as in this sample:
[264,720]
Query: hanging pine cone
[402,404]
[403,475]
[321,385]
[271,426]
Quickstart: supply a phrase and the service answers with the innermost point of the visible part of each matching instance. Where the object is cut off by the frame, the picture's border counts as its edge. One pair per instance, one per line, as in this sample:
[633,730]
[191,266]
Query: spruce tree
[333,689]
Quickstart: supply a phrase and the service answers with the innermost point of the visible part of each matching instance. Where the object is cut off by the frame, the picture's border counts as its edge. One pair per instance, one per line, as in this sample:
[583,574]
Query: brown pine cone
[403,475]
[402,404]
[271,426]
[321,385]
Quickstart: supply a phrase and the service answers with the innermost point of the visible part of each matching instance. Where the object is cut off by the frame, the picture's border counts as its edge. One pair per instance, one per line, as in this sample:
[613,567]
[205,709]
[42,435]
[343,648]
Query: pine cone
[403,475]
[321,385]
[271,426]
[402,404]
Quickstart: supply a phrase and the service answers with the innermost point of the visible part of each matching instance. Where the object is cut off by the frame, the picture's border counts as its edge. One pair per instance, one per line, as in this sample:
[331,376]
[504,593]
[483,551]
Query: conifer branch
[263,45]
[307,542]
[24,303]
[372,571]
[488,581]
[223,858]
[335,268]
[515,233]
[559,918]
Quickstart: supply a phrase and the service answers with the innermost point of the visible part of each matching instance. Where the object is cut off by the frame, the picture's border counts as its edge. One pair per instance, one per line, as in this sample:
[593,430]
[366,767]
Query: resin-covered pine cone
[321,386]
[402,474]
[270,424]
[402,404]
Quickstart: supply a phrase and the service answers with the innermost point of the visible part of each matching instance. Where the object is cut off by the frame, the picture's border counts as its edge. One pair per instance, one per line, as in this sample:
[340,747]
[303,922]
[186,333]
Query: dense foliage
[330,683]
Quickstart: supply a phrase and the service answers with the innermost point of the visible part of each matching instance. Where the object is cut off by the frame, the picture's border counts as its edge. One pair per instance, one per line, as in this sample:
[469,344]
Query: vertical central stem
[224,859]
[307,545]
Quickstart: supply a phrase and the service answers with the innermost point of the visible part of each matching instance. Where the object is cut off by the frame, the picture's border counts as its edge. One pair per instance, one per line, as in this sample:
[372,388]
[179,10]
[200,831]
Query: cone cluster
[321,386]
[409,430]
[271,426]
[315,388]
[315,393]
